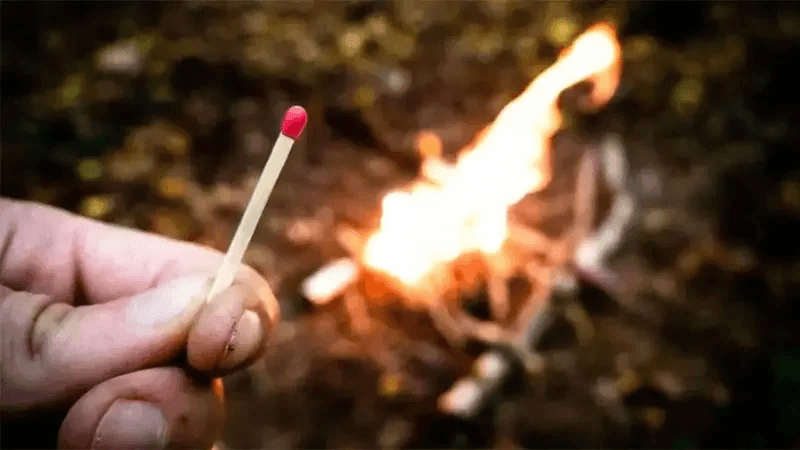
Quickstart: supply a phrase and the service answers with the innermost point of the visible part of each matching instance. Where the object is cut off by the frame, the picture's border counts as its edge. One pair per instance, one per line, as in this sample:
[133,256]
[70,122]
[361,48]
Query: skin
[107,341]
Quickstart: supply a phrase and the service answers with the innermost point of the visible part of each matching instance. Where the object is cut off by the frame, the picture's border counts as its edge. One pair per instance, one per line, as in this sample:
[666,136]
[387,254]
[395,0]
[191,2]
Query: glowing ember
[463,207]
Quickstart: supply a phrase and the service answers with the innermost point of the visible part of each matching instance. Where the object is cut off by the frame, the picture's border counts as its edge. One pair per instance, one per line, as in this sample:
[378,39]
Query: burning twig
[537,314]
[497,290]
[502,266]
[486,332]
[529,239]
[585,199]
[351,240]
[357,312]
[444,321]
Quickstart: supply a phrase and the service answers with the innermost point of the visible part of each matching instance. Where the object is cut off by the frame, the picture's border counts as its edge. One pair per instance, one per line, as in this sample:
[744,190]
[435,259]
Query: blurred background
[160,116]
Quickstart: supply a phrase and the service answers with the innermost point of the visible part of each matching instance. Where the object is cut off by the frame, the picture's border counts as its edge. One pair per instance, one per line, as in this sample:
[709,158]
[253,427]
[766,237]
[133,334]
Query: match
[294,121]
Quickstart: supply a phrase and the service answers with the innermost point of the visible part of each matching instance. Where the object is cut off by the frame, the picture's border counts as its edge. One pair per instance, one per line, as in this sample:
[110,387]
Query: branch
[593,252]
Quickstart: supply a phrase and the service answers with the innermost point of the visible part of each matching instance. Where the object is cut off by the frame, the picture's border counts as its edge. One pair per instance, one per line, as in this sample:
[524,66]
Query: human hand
[112,324]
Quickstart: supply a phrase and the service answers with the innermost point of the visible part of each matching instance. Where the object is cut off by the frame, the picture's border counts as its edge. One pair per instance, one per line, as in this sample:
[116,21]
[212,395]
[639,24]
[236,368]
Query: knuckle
[46,336]
[29,322]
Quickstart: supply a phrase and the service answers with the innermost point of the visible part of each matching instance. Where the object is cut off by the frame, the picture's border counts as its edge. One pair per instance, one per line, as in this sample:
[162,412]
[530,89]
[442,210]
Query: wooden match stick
[294,121]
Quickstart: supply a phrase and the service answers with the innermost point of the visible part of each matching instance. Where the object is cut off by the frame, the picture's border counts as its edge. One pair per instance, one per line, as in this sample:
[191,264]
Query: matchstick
[294,121]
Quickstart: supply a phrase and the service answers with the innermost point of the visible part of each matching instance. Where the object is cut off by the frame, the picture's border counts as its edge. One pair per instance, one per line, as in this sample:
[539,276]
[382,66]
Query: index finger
[45,250]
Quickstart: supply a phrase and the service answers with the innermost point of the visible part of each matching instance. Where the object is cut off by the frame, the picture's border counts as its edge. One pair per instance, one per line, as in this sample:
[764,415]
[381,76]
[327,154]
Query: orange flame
[463,207]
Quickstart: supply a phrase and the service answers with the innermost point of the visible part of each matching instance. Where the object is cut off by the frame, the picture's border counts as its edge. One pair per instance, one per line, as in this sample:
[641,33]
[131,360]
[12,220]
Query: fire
[463,207]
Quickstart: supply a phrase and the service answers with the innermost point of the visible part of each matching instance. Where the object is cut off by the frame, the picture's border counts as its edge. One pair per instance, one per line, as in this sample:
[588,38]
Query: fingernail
[131,424]
[245,340]
[169,301]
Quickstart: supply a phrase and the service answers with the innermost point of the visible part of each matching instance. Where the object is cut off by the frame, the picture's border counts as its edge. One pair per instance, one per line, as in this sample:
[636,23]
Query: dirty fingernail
[245,340]
[131,424]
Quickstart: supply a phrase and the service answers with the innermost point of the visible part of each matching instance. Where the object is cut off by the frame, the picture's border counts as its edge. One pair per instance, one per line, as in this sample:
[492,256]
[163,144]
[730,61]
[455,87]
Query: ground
[703,350]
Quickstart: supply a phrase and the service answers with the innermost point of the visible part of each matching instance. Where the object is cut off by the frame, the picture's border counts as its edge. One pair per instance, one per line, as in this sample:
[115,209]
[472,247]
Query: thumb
[53,352]
[163,407]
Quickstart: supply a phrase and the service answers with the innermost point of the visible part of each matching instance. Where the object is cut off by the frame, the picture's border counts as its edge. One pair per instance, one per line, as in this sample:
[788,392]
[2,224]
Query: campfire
[451,232]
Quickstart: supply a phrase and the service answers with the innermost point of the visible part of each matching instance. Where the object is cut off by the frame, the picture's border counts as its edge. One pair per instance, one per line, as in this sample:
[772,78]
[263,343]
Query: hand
[111,325]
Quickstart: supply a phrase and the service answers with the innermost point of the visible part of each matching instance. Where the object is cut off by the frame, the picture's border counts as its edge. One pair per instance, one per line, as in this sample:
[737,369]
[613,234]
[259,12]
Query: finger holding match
[294,122]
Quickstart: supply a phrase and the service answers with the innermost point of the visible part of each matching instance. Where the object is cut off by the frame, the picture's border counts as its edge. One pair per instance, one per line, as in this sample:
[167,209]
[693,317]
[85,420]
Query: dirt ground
[699,350]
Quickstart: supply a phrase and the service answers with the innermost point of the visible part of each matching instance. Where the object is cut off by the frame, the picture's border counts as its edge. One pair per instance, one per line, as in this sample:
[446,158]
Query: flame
[463,207]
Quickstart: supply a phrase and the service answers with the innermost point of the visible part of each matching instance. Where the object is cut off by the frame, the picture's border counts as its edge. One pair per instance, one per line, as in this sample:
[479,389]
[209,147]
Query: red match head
[294,121]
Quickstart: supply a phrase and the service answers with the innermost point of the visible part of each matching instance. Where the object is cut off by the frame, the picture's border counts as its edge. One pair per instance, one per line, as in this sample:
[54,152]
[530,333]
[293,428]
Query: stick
[467,397]
[593,251]
[330,281]
[291,128]
[585,197]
